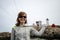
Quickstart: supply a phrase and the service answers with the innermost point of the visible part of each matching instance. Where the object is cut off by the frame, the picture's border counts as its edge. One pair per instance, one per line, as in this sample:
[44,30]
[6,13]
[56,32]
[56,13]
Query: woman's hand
[36,27]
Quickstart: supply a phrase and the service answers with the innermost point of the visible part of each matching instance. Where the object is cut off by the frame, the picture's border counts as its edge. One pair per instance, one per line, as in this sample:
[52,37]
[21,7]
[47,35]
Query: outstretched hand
[36,27]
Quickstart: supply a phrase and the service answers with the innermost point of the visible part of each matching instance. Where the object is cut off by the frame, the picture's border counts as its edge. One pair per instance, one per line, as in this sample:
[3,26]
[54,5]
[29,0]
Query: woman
[21,31]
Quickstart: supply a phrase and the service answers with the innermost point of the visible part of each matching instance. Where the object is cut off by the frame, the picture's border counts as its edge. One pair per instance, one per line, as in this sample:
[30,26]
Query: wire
[15,5]
[5,11]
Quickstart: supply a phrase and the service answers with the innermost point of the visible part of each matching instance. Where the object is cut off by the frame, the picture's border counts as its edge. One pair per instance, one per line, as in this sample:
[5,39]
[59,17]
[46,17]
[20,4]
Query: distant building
[39,23]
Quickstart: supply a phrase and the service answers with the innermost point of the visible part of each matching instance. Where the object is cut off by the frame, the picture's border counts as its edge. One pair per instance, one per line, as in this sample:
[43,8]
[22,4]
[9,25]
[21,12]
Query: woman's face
[23,18]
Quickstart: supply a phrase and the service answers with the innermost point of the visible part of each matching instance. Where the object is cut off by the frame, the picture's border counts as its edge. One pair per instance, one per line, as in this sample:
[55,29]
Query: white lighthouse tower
[47,22]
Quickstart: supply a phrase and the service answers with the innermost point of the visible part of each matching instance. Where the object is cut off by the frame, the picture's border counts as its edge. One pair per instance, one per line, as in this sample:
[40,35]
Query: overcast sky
[35,9]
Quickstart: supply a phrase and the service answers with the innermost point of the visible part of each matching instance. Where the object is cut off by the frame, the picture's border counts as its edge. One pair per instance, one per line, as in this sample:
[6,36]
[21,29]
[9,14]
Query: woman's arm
[13,34]
[38,33]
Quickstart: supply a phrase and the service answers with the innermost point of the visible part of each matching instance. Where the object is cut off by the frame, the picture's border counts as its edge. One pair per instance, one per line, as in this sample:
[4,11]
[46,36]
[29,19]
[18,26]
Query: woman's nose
[22,17]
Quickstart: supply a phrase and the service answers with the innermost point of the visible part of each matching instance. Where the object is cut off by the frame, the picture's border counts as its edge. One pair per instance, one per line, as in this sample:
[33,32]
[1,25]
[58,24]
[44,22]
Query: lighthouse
[47,22]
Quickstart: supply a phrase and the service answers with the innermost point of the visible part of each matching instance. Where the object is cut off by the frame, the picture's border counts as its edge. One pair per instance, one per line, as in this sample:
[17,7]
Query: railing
[50,33]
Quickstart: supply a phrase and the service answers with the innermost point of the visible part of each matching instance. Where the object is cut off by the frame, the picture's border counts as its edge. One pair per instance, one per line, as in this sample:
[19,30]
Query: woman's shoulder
[13,27]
